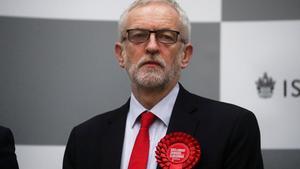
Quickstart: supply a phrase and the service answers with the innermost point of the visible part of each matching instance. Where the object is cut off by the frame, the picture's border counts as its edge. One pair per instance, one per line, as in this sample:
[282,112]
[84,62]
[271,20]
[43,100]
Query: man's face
[153,64]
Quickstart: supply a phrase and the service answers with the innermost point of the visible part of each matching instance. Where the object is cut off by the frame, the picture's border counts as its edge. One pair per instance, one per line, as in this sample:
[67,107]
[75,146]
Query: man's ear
[186,55]
[119,54]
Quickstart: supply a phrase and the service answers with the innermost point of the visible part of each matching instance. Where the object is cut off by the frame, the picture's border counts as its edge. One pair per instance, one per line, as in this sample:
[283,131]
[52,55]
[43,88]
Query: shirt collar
[162,109]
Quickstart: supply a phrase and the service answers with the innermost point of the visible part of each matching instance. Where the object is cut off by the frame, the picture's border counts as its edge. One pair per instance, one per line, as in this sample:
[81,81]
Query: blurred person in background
[8,159]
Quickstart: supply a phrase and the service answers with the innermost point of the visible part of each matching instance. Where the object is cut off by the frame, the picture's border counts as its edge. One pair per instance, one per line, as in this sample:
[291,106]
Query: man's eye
[166,37]
[139,35]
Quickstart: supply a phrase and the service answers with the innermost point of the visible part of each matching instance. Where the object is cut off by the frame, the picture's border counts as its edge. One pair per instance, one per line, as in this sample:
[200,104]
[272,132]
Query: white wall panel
[64,9]
[248,49]
[200,10]
[40,157]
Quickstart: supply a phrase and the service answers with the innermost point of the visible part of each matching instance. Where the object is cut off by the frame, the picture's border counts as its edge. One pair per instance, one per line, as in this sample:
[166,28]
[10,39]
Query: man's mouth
[151,64]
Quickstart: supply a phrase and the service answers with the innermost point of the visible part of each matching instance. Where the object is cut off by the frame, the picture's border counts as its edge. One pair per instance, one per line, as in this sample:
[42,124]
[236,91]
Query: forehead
[153,16]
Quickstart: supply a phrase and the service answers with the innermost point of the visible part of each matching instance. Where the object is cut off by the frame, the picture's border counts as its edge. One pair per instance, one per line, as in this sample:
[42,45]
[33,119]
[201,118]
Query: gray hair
[185,23]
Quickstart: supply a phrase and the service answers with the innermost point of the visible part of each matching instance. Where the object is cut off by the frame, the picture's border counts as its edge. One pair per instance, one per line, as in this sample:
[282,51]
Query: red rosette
[178,150]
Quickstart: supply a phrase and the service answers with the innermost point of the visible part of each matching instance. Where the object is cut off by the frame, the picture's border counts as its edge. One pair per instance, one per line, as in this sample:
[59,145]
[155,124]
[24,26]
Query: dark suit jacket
[229,135]
[8,158]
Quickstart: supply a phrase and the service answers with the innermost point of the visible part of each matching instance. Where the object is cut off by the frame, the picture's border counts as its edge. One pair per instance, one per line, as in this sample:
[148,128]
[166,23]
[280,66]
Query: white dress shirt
[157,130]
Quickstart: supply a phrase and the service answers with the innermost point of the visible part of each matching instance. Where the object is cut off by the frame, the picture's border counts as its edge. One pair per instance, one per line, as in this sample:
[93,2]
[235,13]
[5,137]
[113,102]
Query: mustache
[153,59]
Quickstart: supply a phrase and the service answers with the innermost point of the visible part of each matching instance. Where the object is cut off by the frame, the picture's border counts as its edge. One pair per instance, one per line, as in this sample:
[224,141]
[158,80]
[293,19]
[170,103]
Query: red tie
[140,151]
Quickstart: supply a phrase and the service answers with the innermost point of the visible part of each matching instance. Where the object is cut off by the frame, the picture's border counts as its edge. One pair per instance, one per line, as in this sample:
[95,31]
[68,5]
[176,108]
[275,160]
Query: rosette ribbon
[178,150]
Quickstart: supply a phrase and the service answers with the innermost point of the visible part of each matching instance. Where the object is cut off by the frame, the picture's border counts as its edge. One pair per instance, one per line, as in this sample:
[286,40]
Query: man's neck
[149,97]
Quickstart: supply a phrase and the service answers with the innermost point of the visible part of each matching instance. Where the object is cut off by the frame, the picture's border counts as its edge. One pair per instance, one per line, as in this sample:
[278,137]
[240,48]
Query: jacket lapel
[182,118]
[112,143]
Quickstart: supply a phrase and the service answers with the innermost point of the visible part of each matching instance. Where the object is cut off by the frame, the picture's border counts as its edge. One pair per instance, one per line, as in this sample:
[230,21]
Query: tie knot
[147,119]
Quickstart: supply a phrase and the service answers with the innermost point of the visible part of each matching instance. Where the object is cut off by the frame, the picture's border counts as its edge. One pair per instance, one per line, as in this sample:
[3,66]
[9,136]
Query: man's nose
[152,44]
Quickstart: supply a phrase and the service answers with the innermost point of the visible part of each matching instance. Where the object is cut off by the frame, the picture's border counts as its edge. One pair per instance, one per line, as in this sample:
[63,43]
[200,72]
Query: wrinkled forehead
[152,15]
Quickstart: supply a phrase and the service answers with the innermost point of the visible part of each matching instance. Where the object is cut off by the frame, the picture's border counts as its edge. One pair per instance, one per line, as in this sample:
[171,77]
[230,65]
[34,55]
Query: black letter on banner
[297,88]
[284,88]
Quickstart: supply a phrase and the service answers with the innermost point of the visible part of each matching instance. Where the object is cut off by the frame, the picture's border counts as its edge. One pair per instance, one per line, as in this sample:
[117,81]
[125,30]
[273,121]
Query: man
[8,158]
[154,46]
